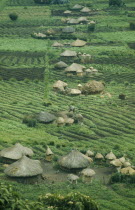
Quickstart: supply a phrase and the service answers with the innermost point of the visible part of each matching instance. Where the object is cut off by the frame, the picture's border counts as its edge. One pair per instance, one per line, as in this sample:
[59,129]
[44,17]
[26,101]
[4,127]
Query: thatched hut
[60,86]
[68,53]
[89,153]
[85,58]
[116,164]
[61,65]
[122,160]
[85,10]
[74,160]
[67,12]
[82,20]
[60,121]
[72,178]
[79,86]
[78,43]
[39,35]
[68,29]
[93,87]
[87,174]
[99,158]
[110,156]
[127,163]
[72,21]
[14,153]
[49,154]
[25,170]
[74,92]
[45,117]
[77,7]
[74,69]
[57,44]
[127,171]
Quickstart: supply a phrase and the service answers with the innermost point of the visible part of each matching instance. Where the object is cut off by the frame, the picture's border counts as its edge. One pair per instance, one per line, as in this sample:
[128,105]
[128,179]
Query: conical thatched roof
[88,172]
[93,87]
[126,164]
[68,29]
[49,151]
[74,160]
[45,117]
[15,152]
[99,156]
[67,12]
[60,120]
[78,43]
[85,9]
[72,177]
[57,44]
[72,21]
[110,156]
[82,20]
[69,121]
[59,84]
[89,153]
[40,35]
[61,65]
[74,67]
[116,162]
[77,6]
[128,171]
[25,167]
[74,92]
[122,159]
[68,53]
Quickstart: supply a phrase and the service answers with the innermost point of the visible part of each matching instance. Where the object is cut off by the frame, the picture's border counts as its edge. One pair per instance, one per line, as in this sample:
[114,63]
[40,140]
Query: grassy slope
[108,124]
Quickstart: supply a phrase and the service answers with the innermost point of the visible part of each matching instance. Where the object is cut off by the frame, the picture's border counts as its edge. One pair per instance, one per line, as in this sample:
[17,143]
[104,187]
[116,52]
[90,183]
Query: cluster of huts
[90,87]
[23,168]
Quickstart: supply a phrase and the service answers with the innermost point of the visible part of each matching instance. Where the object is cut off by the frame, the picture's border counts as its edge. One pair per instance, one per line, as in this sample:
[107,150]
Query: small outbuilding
[61,65]
[49,154]
[57,44]
[60,86]
[85,10]
[77,7]
[68,53]
[72,178]
[78,43]
[87,174]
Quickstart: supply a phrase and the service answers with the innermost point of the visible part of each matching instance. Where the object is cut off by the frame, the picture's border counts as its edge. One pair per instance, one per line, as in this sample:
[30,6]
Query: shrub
[118,177]
[29,120]
[13,16]
[26,80]
[117,3]
[91,27]
[72,201]
[132,25]
[12,79]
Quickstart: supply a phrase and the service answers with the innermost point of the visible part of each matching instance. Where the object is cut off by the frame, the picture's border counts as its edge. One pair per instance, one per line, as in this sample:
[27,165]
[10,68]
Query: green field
[109,123]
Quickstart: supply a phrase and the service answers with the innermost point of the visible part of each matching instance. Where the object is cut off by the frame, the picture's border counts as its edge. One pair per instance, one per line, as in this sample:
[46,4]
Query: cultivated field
[109,122]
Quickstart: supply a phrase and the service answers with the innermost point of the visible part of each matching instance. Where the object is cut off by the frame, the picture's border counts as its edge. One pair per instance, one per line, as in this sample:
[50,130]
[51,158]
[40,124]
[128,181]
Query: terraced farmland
[109,122]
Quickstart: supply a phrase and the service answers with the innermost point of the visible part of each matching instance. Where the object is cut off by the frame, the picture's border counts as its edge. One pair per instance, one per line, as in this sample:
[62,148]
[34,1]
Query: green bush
[72,201]
[91,27]
[132,25]
[117,3]
[30,120]
[13,16]
[118,177]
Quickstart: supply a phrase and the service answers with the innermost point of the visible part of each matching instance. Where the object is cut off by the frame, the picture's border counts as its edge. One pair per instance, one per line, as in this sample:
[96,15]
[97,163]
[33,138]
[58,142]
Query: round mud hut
[61,65]
[11,154]
[75,160]
[78,43]
[45,117]
[87,174]
[93,87]
[25,170]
